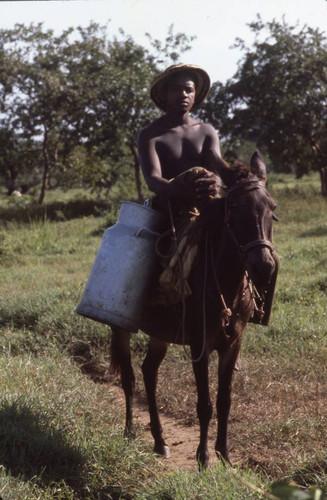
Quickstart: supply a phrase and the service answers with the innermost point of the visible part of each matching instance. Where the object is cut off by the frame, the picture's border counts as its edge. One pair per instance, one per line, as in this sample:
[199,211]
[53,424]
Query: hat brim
[158,93]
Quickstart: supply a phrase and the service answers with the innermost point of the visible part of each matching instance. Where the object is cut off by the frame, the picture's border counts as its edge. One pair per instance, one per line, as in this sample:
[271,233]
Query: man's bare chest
[174,146]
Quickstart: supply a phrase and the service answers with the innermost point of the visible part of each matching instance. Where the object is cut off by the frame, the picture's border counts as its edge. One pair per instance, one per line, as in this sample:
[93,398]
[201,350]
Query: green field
[60,432]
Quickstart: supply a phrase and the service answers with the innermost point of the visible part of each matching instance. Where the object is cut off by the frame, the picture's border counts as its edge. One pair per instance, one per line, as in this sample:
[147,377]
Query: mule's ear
[258,167]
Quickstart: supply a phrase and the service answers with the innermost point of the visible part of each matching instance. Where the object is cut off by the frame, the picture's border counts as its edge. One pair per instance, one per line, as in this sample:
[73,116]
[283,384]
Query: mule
[235,266]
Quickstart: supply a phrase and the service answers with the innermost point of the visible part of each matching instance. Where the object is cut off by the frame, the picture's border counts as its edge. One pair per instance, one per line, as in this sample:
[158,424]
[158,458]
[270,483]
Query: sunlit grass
[278,414]
[59,430]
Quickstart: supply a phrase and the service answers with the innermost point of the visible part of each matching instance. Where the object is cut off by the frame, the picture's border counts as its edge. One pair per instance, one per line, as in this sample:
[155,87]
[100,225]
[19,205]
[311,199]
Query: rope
[226,313]
[180,267]
[255,295]
[178,242]
[159,240]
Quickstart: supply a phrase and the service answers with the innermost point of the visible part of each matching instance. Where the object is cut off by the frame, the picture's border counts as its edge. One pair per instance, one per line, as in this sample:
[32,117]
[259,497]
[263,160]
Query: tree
[114,106]
[79,99]
[35,108]
[278,96]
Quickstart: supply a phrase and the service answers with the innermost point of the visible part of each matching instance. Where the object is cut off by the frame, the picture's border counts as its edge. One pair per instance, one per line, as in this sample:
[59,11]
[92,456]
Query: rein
[263,242]
[180,268]
[243,249]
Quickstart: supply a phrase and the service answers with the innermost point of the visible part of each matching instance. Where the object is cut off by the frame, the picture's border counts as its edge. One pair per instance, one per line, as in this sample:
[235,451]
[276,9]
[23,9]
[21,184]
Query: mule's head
[249,212]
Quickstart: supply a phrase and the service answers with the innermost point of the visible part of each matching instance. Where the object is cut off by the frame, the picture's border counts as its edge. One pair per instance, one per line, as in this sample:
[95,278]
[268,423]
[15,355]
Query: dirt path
[182,440]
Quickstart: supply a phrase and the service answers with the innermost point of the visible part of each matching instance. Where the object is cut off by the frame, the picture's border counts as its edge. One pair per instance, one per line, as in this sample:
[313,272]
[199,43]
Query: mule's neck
[228,267]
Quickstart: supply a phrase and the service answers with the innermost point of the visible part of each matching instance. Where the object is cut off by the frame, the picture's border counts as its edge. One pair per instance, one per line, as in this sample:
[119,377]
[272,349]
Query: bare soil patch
[276,423]
[181,439]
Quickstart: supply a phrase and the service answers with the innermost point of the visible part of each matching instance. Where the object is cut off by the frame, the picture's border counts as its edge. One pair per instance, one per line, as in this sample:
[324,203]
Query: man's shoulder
[151,130]
[207,127]
[159,127]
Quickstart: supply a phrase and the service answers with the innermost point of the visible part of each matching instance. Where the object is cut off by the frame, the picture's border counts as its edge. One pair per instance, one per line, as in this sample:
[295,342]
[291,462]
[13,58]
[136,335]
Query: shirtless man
[176,141]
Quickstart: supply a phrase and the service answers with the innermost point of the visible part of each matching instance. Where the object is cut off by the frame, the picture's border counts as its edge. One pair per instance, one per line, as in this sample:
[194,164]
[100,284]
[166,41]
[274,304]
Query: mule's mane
[241,172]
[212,213]
[236,173]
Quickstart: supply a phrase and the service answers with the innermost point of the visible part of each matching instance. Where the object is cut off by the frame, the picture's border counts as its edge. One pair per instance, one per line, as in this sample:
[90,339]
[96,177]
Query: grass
[58,436]
[61,435]
[211,484]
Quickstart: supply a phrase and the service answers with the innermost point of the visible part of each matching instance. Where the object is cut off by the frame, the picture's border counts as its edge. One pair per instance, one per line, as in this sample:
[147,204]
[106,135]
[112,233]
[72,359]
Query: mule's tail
[115,357]
[120,352]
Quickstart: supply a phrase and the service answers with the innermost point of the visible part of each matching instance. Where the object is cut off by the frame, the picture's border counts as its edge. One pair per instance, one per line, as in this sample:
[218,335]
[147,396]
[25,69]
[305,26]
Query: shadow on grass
[33,449]
[30,447]
[57,211]
[19,319]
[316,232]
[320,284]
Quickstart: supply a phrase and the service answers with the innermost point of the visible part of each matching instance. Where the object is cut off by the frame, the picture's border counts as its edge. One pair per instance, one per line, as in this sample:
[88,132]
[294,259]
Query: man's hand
[196,185]
[207,185]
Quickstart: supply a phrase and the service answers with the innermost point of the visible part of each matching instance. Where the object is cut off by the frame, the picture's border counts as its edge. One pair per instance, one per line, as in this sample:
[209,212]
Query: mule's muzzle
[260,265]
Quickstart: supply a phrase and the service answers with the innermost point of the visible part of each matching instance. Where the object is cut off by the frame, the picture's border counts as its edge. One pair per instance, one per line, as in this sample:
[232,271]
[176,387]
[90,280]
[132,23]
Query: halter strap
[256,243]
[241,185]
[260,242]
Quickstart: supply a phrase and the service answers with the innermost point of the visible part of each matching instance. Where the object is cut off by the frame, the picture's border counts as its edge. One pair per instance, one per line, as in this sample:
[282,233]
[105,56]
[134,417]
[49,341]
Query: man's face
[180,93]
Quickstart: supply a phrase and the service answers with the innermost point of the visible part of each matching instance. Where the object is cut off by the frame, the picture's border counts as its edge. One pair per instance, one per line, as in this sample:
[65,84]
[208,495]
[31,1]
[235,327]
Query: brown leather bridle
[243,249]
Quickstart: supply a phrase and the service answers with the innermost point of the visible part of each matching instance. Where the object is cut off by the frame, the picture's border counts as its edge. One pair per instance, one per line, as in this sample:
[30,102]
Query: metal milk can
[124,268]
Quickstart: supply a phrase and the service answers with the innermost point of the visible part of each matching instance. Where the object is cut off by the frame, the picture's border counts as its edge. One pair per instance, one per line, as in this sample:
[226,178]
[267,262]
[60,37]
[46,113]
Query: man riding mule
[234,264]
[181,162]
[176,153]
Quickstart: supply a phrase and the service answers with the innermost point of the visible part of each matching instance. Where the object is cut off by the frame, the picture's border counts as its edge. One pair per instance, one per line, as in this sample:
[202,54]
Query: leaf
[289,491]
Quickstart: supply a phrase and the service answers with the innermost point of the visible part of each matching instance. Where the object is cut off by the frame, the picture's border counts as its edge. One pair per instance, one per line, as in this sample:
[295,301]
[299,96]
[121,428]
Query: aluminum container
[124,268]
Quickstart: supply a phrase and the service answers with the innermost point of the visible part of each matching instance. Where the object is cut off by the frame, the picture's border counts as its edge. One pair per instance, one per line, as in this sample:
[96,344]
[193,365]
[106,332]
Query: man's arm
[151,168]
[212,155]
[150,164]
[211,144]
[209,184]
[218,169]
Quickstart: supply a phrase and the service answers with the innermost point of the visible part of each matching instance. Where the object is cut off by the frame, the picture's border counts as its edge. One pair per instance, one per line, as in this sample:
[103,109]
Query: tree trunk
[140,197]
[323,179]
[11,179]
[46,168]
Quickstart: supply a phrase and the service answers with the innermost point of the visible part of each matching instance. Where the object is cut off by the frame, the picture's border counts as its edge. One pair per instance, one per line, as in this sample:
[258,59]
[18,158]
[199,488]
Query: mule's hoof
[224,459]
[162,450]
[202,459]
[129,434]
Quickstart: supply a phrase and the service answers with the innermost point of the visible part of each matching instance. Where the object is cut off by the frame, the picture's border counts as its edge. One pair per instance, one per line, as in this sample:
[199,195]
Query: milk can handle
[138,233]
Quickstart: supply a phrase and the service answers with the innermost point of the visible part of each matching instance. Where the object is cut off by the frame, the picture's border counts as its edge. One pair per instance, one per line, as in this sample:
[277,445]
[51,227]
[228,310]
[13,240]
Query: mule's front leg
[204,405]
[156,352]
[121,361]
[227,361]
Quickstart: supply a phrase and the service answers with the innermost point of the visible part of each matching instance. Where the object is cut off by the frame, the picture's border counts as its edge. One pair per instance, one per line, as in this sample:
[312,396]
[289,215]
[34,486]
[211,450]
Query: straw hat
[202,84]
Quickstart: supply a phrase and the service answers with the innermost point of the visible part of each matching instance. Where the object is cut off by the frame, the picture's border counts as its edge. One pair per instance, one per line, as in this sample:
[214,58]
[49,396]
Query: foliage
[278,97]
[289,491]
[71,105]
[35,102]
